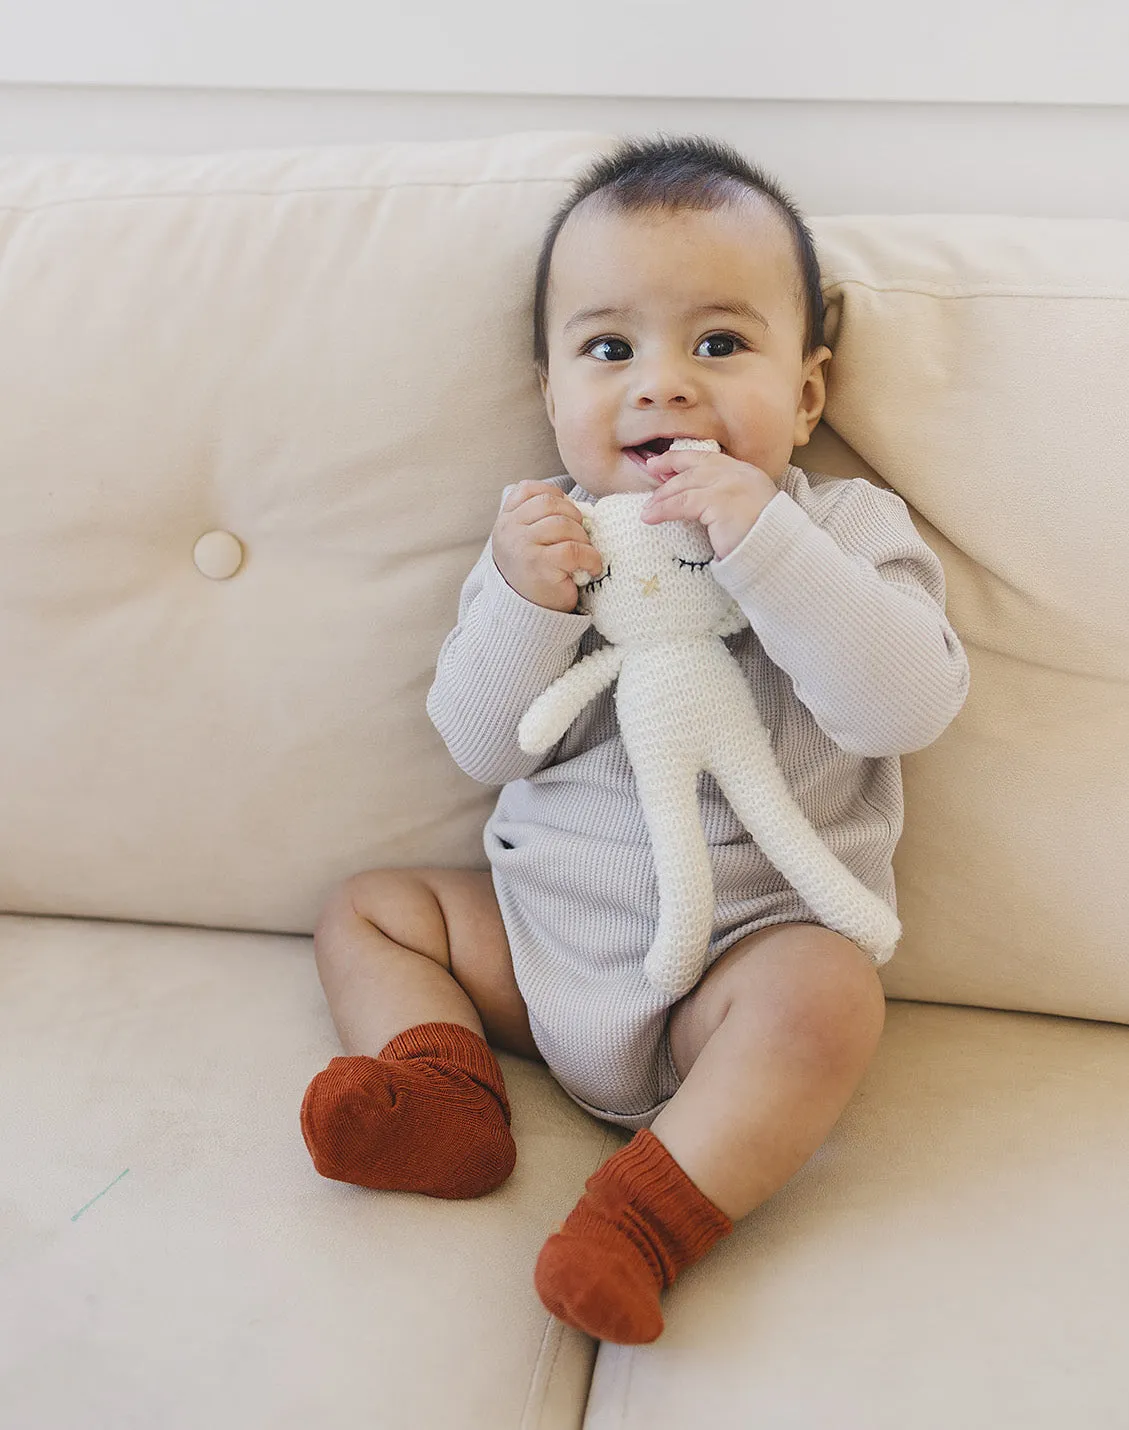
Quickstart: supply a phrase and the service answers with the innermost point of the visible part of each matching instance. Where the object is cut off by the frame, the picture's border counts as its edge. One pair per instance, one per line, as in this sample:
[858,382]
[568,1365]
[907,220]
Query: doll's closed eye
[599,581]
[695,565]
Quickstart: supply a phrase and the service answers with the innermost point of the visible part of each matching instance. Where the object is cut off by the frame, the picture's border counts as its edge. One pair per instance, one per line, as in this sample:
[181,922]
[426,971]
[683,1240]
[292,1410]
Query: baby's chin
[606,484]
[597,489]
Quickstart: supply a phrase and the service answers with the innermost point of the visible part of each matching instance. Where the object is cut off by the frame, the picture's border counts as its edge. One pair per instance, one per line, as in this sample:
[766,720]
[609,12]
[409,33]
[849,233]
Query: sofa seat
[955,1255]
[220,1281]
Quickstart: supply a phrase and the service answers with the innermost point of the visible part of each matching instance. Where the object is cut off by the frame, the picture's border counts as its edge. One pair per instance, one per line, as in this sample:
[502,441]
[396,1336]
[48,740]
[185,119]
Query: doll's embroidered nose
[650,585]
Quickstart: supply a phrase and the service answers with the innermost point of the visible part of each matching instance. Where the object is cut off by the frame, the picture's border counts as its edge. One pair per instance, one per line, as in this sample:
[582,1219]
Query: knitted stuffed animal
[684,706]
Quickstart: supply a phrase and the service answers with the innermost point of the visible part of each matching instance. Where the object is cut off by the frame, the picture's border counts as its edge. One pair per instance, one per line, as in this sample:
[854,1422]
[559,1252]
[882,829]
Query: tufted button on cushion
[218,554]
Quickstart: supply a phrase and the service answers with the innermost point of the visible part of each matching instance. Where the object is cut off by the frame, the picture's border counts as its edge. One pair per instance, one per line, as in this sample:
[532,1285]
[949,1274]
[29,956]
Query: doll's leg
[416,969]
[765,805]
[667,783]
[771,1045]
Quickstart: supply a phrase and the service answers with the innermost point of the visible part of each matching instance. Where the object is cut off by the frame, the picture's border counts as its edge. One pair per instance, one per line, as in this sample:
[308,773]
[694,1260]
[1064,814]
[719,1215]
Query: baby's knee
[837,1007]
[396,902]
[806,992]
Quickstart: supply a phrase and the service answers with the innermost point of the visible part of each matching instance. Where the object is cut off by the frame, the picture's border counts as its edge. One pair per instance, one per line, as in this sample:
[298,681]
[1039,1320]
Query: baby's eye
[719,345]
[609,350]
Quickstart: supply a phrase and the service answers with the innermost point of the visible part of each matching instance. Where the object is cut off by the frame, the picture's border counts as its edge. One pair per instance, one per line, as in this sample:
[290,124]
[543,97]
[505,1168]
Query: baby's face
[676,324]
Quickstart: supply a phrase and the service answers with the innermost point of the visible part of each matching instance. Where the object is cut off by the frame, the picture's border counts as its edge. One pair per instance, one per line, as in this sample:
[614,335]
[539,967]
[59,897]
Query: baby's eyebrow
[591,315]
[737,309]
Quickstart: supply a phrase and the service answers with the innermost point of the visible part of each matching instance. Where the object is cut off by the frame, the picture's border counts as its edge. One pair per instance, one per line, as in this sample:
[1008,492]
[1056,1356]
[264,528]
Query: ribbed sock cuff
[452,1043]
[683,1221]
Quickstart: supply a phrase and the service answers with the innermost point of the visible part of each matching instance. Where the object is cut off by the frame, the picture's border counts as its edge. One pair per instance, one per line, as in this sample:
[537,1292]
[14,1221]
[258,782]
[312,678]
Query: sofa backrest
[255,413]
[980,369]
[325,355]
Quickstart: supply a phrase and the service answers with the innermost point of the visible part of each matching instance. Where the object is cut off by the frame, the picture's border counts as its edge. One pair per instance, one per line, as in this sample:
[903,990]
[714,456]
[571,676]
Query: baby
[677,297]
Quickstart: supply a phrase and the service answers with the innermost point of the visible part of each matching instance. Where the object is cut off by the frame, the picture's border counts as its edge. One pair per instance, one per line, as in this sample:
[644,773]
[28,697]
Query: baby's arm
[507,649]
[852,608]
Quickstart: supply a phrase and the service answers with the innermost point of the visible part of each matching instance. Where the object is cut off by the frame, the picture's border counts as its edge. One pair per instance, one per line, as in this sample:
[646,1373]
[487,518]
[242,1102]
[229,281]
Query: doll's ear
[731,621]
[586,510]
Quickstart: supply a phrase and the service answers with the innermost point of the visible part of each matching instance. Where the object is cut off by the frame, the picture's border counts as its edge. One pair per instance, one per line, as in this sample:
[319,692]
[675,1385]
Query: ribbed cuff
[452,1043]
[656,1186]
[541,626]
[782,526]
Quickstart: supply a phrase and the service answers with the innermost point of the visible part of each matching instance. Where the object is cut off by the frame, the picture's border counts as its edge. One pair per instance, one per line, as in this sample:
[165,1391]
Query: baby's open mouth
[654,448]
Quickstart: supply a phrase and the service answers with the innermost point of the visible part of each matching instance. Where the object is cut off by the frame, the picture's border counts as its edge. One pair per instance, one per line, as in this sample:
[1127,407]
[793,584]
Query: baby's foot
[639,1223]
[429,1114]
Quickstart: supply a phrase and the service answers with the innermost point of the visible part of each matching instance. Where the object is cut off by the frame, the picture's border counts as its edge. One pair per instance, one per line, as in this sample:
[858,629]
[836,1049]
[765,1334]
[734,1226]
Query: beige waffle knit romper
[852,662]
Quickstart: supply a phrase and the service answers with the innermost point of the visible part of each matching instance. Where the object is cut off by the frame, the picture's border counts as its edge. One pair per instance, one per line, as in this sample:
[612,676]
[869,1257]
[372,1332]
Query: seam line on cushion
[980,290]
[632,1361]
[374,188]
[541,1378]
[1071,670]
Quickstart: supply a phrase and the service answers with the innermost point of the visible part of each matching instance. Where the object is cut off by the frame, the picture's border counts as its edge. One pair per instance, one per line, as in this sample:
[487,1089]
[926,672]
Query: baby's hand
[539,541]
[725,495]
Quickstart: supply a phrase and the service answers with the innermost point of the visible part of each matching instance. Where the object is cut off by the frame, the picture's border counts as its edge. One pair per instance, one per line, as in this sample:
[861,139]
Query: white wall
[1018,106]
[1011,51]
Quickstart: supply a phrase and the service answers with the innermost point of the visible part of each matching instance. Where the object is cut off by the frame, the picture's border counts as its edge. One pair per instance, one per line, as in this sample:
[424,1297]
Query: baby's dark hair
[679,172]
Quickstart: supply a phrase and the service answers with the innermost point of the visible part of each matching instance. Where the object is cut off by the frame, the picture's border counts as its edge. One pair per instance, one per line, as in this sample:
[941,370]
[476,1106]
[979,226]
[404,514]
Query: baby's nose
[665,383]
[660,399]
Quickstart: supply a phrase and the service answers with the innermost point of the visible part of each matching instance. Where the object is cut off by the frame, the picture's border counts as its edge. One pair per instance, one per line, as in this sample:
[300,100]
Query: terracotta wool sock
[428,1114]
[639,1223]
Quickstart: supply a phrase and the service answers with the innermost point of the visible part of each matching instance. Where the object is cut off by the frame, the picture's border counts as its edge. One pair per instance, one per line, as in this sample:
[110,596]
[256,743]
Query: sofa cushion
[324,356]
[979,371]
[956,1254]
[170,1258]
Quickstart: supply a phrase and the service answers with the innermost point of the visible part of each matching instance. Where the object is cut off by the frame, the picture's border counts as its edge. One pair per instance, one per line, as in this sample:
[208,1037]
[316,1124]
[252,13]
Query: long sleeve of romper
[851,608]
[503,652]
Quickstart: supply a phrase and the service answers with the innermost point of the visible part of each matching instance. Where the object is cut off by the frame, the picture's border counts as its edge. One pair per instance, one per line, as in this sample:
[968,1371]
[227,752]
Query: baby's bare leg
[771,1046]
[400,947]
[416,969]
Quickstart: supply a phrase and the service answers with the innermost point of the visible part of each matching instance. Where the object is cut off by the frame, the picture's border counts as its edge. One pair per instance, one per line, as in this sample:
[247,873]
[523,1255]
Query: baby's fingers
[555,529]
[665,465]
[570,556]
[545,494]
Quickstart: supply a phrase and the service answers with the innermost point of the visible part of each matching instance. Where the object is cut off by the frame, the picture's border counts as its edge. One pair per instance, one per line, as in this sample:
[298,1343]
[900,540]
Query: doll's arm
[555,709]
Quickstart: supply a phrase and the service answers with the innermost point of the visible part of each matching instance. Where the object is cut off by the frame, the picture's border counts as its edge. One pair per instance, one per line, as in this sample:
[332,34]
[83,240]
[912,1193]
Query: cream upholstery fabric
[954,1255]
[255,411]
[979,369]
[221,1282]
[326,355]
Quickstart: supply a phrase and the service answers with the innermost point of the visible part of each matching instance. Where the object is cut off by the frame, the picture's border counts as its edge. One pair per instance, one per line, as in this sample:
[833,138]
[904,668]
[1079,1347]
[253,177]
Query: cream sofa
[255,413]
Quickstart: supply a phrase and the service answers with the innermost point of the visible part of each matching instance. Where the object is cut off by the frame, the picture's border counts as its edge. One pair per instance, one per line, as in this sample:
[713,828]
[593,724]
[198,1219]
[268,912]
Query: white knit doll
[684,706]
